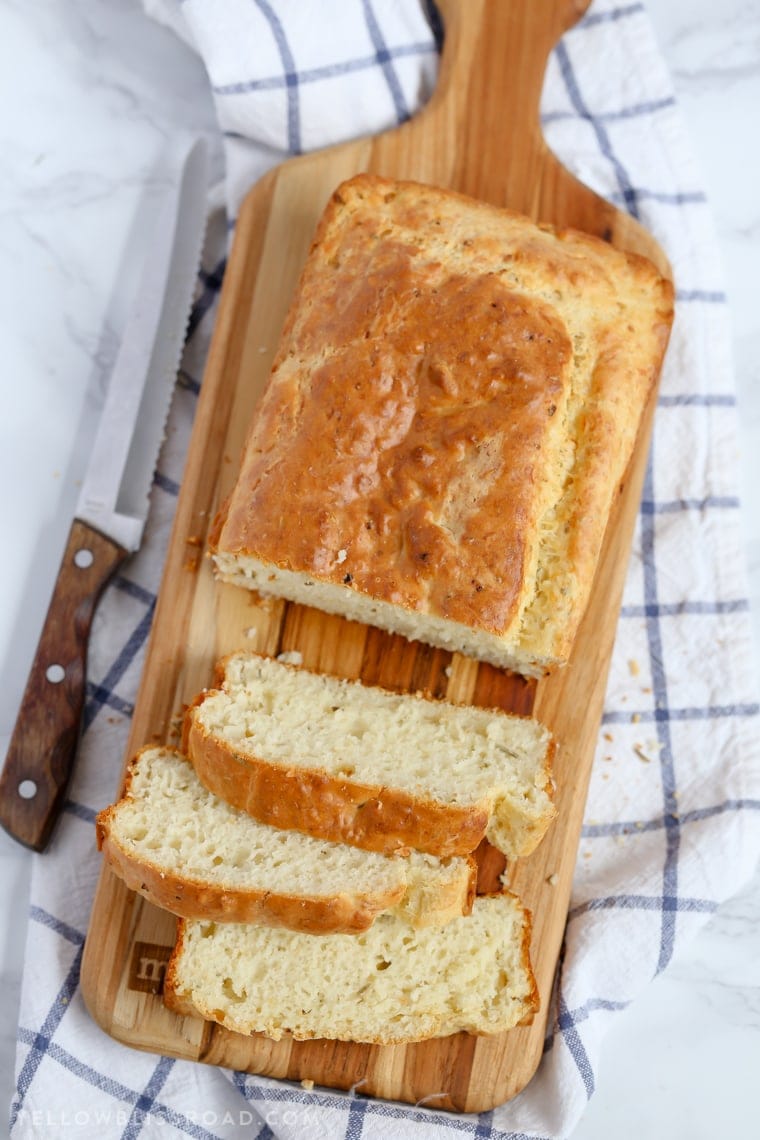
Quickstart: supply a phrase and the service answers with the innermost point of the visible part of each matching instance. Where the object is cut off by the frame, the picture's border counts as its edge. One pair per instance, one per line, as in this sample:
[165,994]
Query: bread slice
[192,854]
[451,410]
[388,985]
[356,764]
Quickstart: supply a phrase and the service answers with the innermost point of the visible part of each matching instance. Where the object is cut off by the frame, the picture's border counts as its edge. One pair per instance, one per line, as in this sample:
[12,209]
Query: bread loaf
[388,985]
[356,764]
[194,855]
[451,410]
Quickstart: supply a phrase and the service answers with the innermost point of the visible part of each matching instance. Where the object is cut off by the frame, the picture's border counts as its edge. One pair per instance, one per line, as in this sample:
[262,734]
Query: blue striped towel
[668,831]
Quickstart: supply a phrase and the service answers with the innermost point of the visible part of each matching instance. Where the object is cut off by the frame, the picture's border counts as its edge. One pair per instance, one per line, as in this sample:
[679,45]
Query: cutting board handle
[487,99]
[494,59]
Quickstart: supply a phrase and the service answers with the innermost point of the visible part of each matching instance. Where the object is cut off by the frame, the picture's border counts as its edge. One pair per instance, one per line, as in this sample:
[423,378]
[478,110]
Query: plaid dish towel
[671,824]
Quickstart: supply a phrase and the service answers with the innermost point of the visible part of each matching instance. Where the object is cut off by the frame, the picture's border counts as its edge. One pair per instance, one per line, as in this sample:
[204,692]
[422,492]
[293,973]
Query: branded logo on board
[148,967]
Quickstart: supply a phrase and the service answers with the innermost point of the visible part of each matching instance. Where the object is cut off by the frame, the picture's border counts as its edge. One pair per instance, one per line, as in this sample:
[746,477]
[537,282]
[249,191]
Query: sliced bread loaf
[360,765]
[448,419]
[192,854]
[388,985]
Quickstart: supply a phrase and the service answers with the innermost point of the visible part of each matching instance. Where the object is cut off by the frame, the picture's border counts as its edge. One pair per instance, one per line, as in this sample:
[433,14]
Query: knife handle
[43,746]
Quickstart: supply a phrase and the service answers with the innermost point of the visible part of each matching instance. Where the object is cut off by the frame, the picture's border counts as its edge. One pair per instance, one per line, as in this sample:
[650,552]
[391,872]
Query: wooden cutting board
[480,134]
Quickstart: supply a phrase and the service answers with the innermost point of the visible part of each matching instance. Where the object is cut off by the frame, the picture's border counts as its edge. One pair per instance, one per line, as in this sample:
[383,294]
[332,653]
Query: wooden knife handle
[41,754]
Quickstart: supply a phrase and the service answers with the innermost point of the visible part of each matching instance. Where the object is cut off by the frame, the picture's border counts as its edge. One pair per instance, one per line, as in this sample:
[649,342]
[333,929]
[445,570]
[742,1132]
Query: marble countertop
[78,142]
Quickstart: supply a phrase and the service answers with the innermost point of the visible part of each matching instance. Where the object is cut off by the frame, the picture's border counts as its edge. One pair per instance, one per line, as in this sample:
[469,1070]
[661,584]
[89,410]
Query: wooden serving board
[480,134]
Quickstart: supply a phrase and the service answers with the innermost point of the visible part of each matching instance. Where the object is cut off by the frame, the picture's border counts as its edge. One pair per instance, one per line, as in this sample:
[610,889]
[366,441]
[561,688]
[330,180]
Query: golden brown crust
[173,998]
[315,802]
[534,1000]
[472,886]
[409,444]
[189,897]
[370,816]
[413,428]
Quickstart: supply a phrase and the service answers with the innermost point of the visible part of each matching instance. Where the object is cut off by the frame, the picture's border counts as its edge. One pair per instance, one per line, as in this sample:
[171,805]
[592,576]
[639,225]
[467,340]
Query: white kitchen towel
[671,825]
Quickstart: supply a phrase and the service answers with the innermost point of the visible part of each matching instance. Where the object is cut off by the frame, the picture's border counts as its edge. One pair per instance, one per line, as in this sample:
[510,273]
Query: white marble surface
[93,92]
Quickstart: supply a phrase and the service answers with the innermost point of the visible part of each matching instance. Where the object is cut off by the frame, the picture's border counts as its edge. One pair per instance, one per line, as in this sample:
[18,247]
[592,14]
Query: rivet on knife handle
[43,746]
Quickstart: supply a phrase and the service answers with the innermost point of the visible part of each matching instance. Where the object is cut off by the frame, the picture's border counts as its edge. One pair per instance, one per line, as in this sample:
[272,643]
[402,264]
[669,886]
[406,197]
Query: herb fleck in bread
[194,855]
[356,764]
[452,408]
[388,985]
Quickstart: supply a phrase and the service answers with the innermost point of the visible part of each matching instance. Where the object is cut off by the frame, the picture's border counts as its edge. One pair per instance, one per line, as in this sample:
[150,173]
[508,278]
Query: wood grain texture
[43,746]
[479,134]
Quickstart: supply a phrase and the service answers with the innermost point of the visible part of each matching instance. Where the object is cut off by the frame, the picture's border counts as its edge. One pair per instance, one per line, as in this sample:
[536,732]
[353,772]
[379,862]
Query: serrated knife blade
[112,508]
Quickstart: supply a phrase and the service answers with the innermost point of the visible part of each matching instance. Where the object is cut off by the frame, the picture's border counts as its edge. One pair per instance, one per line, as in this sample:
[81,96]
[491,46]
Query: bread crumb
[648,751]
[608,736]
[552,879]
[635,718]
[448,671]
[307,1083]
[291,657]
[251,633]
[342,556]
[633,667]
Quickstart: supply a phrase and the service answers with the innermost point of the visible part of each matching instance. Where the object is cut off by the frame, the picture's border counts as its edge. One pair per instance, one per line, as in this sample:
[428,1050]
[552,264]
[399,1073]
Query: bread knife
[112,508]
